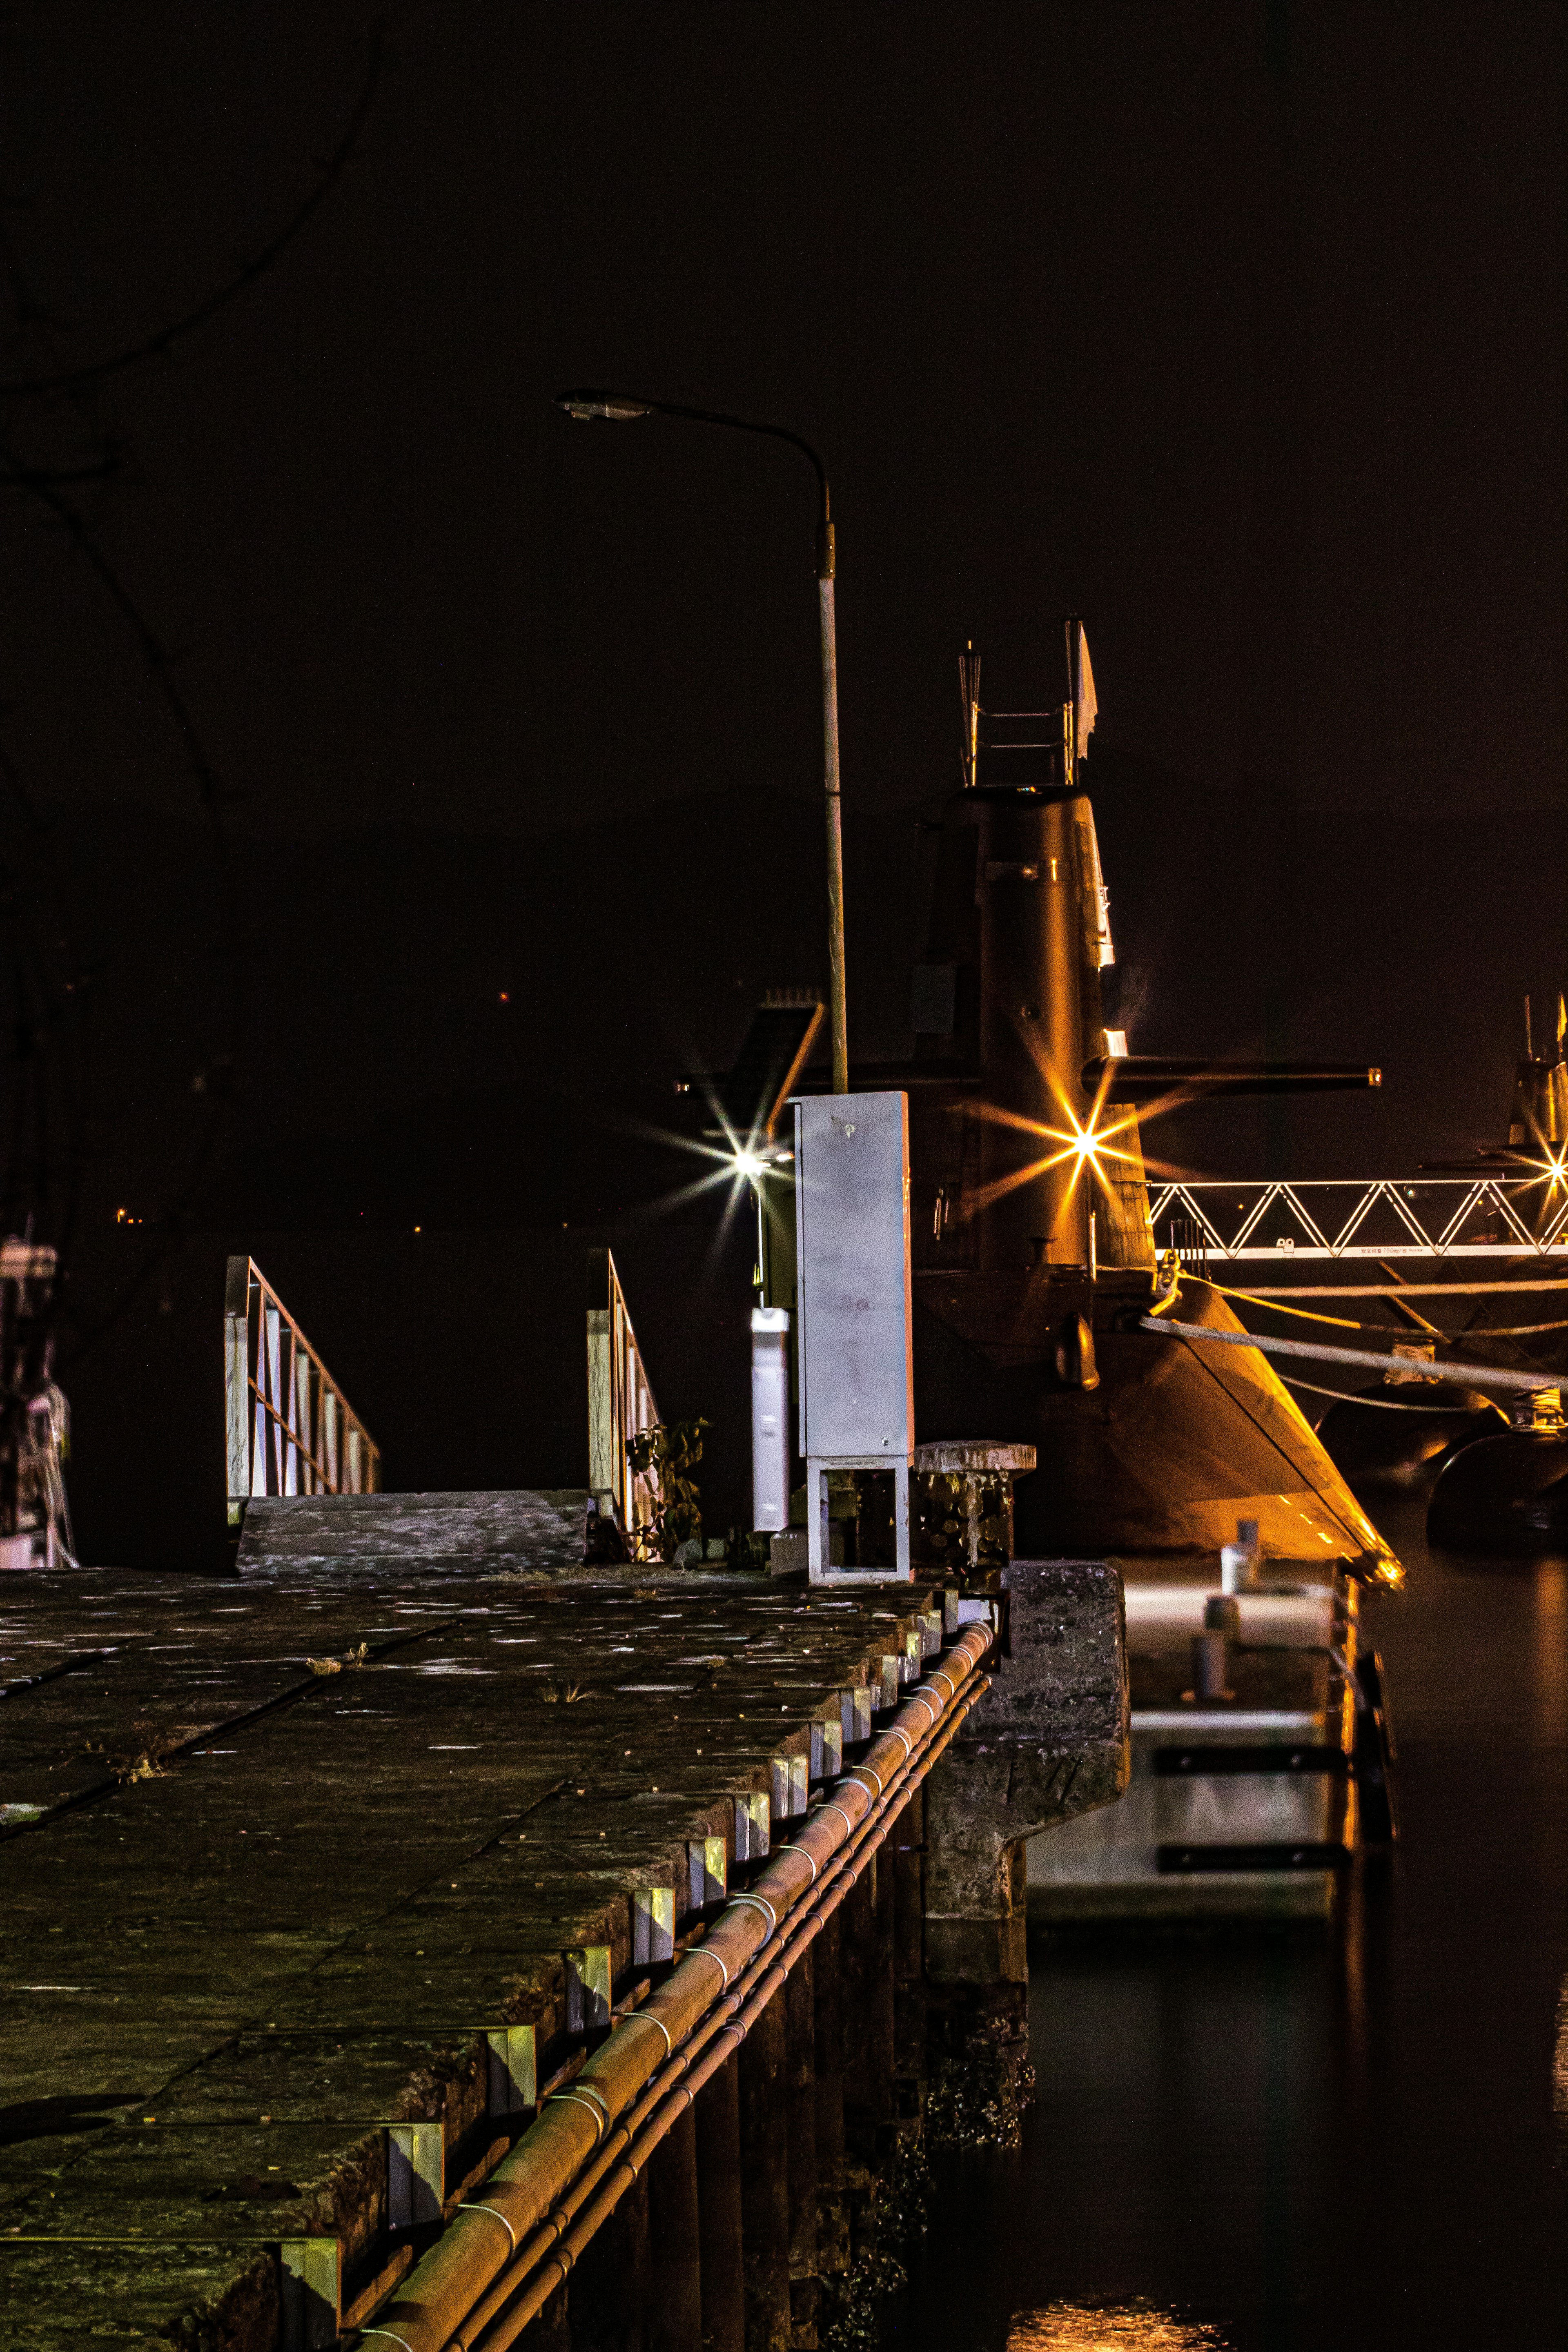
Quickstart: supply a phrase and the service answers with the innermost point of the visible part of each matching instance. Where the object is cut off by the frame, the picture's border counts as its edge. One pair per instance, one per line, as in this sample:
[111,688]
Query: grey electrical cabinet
[853,1327]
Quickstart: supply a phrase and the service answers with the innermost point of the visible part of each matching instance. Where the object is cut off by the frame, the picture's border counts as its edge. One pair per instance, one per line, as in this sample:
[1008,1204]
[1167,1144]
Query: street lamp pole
[622,407]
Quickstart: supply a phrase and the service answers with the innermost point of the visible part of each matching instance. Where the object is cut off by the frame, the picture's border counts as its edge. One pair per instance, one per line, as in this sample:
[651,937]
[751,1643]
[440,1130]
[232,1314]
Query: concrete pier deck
[298,1860]
[318,1875]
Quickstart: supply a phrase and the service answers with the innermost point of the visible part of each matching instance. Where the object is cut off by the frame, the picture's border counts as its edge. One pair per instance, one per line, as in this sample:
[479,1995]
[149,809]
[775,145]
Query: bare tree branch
[156,345]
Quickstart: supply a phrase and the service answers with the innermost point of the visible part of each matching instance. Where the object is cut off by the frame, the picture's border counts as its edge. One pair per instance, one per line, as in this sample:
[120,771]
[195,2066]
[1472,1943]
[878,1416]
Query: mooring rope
[1379,1404]
[1347,1323]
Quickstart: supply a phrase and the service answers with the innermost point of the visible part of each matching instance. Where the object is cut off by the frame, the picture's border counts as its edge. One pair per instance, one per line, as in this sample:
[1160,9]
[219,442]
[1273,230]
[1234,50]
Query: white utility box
[853,1331]
[770,1419]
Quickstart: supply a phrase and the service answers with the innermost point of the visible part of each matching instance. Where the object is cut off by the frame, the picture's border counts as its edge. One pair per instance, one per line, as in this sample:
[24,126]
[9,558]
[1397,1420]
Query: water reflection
[1129,2327]
[1344,2138]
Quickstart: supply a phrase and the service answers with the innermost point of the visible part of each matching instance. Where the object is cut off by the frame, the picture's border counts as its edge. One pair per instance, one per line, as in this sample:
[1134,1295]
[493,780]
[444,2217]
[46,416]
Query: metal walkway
[1363,1217]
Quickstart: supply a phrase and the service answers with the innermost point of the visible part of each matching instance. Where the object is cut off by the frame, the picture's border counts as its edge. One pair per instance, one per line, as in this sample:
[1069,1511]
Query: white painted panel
[852,1232]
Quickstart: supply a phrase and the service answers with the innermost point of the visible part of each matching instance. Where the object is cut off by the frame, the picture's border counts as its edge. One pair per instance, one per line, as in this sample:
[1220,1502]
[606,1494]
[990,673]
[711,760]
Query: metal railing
[620,1400]
[1377,1217]
[34,1516]
[291,1431]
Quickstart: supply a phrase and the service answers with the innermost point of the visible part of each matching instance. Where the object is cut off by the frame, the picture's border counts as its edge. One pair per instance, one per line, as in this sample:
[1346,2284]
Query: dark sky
[1238,328]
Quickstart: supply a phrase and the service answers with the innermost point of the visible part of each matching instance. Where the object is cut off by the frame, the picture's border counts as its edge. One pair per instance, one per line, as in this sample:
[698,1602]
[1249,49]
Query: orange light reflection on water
[1122,2327]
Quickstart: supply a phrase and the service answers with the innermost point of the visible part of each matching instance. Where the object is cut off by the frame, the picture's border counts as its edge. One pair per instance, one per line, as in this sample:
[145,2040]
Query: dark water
[1340,2140]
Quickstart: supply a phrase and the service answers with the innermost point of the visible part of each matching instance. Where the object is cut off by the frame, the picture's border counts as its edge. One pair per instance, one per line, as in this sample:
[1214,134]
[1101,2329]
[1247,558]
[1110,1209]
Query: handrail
[620,1401]
[34,1516]
[290,1429]
[1433,1216]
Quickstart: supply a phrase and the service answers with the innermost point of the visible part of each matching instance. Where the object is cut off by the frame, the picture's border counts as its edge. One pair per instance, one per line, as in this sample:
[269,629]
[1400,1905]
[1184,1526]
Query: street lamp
[620,408]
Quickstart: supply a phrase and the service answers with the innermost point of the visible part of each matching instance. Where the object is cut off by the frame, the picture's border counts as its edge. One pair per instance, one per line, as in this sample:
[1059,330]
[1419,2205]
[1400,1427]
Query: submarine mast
[1020,920]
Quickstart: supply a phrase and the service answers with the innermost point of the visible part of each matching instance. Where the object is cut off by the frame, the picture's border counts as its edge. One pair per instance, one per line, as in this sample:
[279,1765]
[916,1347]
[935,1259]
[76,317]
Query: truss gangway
[1319,1218]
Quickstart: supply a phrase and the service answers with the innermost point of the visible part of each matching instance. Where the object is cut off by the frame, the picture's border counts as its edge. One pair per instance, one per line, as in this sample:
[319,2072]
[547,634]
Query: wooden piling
[827,2050]
[878,2022]
[764,2179]
[608,2292]
[800,2091]
[717,2120]
[858,1917]
[551,2331]
[674,2318]
[909,1956]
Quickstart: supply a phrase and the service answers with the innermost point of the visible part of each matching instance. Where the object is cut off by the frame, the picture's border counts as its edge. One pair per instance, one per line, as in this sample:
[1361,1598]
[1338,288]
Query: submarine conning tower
[1019,936]
[1033,1254]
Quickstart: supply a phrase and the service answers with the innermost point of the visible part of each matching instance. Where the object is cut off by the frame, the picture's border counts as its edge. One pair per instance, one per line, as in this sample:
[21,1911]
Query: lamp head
[589,405]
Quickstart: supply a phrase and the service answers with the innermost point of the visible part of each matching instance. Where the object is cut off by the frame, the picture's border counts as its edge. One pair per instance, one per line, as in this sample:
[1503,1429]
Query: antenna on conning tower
[969,692]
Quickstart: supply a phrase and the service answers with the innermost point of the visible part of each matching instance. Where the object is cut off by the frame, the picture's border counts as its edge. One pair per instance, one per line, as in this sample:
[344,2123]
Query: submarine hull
[1175,1444]
[1504,1494]
[1397,1450]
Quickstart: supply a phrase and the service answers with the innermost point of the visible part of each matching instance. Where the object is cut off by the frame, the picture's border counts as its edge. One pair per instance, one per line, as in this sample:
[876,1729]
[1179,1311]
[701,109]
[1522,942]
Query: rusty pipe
[498,2320]
[488,2232]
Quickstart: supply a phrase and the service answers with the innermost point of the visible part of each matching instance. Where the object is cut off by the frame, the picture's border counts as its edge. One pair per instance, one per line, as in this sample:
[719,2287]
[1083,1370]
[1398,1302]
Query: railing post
[620,1400]
[289,1429]
[237,1385]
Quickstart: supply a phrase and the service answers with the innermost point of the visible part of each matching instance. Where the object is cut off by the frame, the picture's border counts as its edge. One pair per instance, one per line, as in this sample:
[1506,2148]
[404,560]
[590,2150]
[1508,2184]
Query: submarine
[1035,1270]
[1048,1331]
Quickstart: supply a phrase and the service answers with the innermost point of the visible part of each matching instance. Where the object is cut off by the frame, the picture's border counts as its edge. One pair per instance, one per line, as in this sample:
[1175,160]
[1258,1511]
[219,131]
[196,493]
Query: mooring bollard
[1222,1625]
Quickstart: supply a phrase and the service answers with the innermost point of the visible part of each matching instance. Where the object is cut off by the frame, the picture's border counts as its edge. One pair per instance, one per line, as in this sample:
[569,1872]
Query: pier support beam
[675,2317]
[828,2051]
[1049,1740]
[865,1998]
[717,2114]
[908,1843]
[764,2179]
[607,2294]
[800,2095]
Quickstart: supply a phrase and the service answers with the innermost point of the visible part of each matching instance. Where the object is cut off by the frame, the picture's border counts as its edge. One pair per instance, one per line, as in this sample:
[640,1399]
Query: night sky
[1236,329]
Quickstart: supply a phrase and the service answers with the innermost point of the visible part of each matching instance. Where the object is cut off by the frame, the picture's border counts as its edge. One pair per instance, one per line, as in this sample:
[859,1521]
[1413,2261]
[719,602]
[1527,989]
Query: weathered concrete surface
[347,1533]
[252,1913]
[1049,1741]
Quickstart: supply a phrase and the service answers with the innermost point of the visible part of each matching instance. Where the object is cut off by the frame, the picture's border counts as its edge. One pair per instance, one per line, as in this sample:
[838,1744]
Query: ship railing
[1351,1217]
[291,1431]
[620,1402]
